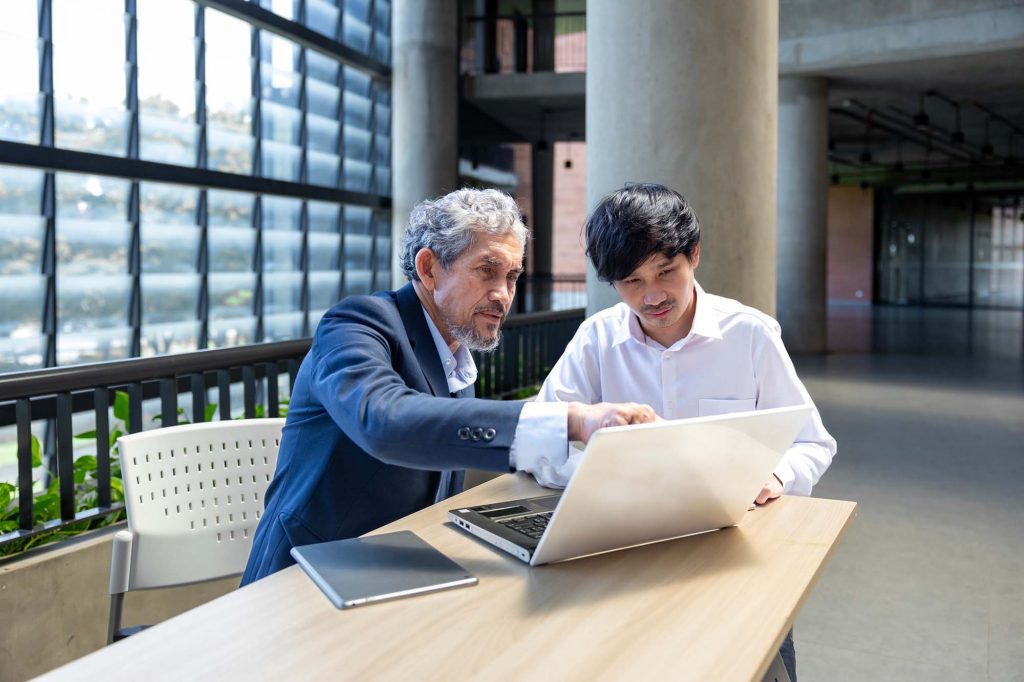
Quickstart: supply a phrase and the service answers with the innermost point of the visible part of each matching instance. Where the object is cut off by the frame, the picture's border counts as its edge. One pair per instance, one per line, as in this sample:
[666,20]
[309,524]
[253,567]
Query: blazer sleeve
[355,378]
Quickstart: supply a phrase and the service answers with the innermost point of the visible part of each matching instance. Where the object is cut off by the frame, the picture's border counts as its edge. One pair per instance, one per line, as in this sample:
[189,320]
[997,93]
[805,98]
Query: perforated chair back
[194,494]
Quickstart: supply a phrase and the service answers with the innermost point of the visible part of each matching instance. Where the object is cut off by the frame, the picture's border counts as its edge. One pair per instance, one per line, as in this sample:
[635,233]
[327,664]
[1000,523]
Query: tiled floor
[929,582]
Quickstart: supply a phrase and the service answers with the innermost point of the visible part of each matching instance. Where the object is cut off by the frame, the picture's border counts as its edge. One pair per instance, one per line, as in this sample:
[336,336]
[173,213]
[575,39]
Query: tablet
[375,568]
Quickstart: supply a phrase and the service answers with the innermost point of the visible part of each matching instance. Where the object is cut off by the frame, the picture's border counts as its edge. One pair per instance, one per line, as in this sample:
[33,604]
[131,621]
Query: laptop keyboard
[532,526]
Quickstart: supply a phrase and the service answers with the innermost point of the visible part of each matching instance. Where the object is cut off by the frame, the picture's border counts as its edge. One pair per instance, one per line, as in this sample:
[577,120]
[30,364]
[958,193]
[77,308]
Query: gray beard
[469,336]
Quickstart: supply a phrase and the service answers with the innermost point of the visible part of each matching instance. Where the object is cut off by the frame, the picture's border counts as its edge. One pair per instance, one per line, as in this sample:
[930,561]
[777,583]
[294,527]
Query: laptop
[644,483]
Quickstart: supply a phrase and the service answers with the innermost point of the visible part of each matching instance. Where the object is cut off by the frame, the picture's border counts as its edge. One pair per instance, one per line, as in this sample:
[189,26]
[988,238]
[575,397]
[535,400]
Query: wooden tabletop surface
[709,607]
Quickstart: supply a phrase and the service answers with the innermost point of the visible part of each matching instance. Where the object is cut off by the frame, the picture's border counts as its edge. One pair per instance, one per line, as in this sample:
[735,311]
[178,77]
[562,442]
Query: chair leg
[114,623]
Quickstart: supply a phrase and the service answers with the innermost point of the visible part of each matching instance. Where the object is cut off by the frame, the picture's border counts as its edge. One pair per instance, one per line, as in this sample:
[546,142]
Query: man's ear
[696,257]
[426,262]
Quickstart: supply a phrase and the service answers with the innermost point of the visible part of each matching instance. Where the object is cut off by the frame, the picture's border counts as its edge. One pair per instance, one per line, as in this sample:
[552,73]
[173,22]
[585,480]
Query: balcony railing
[58,489]
[523,43]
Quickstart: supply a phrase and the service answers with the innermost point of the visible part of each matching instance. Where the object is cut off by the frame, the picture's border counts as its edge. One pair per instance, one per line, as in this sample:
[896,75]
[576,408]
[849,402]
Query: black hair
[633,223]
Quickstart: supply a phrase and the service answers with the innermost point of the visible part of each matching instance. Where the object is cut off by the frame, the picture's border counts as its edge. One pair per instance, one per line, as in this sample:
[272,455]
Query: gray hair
[446,225]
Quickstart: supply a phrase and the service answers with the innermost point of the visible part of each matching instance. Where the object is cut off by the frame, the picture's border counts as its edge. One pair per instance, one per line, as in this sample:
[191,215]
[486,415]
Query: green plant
[46,504]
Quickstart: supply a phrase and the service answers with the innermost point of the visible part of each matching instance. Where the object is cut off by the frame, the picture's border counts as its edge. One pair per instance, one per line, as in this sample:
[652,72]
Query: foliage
[46,504]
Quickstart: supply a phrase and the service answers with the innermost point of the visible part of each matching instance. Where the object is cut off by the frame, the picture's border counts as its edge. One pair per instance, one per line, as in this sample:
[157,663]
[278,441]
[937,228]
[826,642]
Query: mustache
[496,309]
[658,308]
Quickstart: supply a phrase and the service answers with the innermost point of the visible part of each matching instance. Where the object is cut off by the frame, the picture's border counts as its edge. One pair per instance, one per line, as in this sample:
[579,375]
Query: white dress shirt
[732,360]
[542,432]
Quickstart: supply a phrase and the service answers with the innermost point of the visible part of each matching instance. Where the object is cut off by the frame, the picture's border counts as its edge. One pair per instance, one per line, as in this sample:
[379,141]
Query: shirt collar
[705,322]
[459,367]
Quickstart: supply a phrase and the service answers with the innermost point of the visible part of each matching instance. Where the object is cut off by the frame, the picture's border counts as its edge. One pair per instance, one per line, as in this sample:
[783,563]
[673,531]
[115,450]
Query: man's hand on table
[771,490]
[585,419]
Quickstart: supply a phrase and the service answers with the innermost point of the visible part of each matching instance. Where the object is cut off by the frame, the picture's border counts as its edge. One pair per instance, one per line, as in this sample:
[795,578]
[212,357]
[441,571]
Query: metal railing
[539,292]
[523,43]
[530,345]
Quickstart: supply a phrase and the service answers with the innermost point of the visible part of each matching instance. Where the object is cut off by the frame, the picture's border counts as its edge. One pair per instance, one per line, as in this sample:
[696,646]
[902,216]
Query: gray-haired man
[372,433]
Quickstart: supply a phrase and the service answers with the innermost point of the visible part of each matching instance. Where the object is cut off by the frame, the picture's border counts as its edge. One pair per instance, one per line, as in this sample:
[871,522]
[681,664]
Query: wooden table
[708,607]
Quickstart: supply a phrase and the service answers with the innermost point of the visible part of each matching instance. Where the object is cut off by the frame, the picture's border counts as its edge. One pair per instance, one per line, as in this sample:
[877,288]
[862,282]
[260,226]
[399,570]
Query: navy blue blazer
[371,427]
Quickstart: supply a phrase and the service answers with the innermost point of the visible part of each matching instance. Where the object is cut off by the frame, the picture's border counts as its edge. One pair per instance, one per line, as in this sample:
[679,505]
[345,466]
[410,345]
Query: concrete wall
[54,605]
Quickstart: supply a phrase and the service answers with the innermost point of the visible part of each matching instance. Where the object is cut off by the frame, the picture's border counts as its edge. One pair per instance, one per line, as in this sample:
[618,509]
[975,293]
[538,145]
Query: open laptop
[644,483]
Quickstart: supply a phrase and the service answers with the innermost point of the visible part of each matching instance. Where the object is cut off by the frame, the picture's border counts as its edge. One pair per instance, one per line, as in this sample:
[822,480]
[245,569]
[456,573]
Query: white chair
[193,495]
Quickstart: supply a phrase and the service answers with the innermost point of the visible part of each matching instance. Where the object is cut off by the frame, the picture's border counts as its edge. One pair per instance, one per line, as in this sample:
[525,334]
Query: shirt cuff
[786,474]
[539,446]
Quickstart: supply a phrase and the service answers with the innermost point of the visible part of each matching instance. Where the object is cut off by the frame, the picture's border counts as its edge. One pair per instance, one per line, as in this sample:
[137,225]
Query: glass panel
[91,197]
[171,337]
[231,249]
[357,175]
[323,289]
[20,191]
[357,143]
[286,8]
[169,297]
[19,87]
[323,217]
[382,28]
[89,75]
[323,251]
[229,100]
[230,209]
[231,294]
[323,99]
[355,25]
[169,248]
[282,326]
[281,161]
[229,152]
[281,213]
[280,123]
[322,169]
[322,16]
[167,85]
[281,250]
[321,67]
[947,254]
[21,241]
[168,203]
[93,345]
[357,110]
[232,332]
[282,291]
[322,133]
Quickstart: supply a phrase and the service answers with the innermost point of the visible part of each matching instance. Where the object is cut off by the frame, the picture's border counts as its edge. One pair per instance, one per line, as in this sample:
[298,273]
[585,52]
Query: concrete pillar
[684,92]
[424,119]
[803,213]
[542,221]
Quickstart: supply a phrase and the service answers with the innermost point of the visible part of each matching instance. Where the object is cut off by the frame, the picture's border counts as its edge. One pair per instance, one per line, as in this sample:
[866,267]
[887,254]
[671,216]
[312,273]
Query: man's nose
[503,294]
[654,296]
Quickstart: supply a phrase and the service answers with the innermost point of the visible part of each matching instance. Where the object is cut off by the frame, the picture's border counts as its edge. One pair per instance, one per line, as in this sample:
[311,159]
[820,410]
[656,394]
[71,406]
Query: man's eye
[665,273]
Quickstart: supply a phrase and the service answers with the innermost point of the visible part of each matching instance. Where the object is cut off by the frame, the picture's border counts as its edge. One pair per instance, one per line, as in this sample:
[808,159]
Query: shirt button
[464,433]
[489,434]
[478,433]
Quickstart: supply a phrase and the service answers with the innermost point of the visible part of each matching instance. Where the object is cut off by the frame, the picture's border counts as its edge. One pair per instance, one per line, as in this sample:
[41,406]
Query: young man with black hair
[671,345]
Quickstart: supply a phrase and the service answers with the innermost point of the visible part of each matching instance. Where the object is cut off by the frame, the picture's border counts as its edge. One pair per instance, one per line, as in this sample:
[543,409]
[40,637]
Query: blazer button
[489,434]
[477,433]
[464,433]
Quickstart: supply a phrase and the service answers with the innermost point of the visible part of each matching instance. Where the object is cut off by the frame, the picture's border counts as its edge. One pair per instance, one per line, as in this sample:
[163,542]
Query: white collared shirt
[539,443]
[732,360]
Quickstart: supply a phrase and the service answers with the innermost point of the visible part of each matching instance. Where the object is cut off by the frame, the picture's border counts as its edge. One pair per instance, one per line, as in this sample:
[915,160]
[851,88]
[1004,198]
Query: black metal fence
[530,345]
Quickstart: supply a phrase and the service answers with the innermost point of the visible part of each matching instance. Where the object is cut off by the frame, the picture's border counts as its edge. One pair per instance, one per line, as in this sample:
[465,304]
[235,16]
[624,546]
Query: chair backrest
[194,494]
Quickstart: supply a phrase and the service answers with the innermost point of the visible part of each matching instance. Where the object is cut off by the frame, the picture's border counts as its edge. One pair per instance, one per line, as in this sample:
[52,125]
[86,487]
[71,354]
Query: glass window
[229,100]
[322,16]
[21,257]
[89,80]
[19,87]
[167,86]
